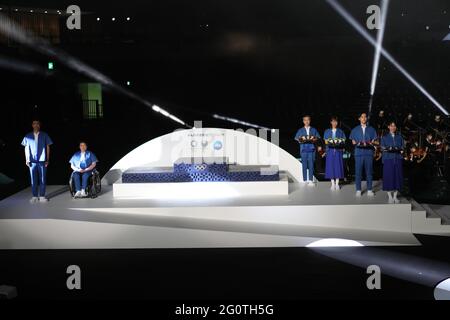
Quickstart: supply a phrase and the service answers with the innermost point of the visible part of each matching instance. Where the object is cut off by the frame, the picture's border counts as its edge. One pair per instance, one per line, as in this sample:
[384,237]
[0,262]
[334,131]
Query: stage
[306,215]
[282,212]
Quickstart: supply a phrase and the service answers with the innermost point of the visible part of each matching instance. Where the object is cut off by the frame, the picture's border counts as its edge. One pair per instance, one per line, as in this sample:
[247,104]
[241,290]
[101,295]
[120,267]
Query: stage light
[113,19]
[45,11]
[427,27]
[442,290]
[128,83]
[98,19]
[128,18]
[331,242]
[380,36]
[349,18]
[50,65]
[167,114]
[31,10]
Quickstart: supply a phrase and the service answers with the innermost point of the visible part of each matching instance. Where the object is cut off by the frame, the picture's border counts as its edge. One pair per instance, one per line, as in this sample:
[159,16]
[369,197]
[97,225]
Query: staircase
[427,221]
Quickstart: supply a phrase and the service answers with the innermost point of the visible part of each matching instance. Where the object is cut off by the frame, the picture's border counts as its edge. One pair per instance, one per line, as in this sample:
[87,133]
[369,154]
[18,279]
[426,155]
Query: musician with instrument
[307,137]
[392,145]
[334,143]
[364,139]
[379,123]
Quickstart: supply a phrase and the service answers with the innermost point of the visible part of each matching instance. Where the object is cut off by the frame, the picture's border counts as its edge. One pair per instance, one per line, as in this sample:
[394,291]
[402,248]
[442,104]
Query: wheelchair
[94,185]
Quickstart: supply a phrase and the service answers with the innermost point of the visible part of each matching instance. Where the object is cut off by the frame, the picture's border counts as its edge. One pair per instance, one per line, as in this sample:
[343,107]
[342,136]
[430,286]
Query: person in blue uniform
[392,145]
[363,136]
[37,156]
[334,164]
[82,164]
[307,136]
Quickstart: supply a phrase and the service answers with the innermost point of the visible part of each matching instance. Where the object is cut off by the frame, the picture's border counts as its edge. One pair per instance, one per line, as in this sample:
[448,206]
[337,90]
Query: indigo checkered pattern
[202,172]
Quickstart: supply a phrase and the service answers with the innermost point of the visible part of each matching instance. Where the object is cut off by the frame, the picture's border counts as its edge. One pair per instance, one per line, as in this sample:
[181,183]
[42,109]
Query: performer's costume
[392,162]
[363,155]
[334,166]
[36,154]
[82,161]
[307,152]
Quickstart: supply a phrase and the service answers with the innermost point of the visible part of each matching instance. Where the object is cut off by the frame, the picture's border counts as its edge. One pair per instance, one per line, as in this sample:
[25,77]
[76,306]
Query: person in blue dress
[82,164]
[392,145]
[334,164]
[37,156]
[307,136]
[363,137]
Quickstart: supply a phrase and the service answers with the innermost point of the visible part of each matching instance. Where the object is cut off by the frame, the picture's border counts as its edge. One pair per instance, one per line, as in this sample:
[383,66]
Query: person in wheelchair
[83,164]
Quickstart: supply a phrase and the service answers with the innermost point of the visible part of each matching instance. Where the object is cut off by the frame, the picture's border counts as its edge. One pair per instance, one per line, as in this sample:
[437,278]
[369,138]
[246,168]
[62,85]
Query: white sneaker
[43,199]
[83,193]
[34,199]
[358,193]
[311,183]
[396,200]
[337,187]
[77,194]
[333,187]
[391,200]
[370,193]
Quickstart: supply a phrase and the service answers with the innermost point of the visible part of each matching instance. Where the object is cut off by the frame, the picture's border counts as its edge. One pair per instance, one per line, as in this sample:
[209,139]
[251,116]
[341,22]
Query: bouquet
[366,145]
[393,149]
[335,142]
[307,139]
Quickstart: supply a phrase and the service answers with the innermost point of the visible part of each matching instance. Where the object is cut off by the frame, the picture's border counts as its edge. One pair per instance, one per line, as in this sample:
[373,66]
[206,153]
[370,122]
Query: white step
[421,224]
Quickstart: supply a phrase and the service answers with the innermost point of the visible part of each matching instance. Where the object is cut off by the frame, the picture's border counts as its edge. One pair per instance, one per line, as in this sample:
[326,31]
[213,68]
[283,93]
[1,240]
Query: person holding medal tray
[364,139]
[335,143]
[307,137]
[392,145]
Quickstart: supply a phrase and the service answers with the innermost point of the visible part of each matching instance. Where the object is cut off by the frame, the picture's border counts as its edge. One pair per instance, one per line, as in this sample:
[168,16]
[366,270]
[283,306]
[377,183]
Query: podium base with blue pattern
[201,170]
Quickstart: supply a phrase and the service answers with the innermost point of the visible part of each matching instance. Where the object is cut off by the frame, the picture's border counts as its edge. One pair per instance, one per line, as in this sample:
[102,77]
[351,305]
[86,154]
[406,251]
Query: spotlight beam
[244,123]
[398,265]
[15,32]
[21,66]
[380,36]
[348,17]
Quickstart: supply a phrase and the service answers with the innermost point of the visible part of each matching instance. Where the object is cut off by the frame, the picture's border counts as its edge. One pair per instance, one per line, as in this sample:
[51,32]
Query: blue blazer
[358,136]
[329,135]
[307,147]
[389,141]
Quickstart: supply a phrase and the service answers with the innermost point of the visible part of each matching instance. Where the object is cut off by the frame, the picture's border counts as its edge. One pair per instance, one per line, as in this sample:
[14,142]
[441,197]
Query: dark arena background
[230,64]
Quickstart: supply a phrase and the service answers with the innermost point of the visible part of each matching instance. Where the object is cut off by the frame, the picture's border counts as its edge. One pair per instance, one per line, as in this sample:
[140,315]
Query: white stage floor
[306,215]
